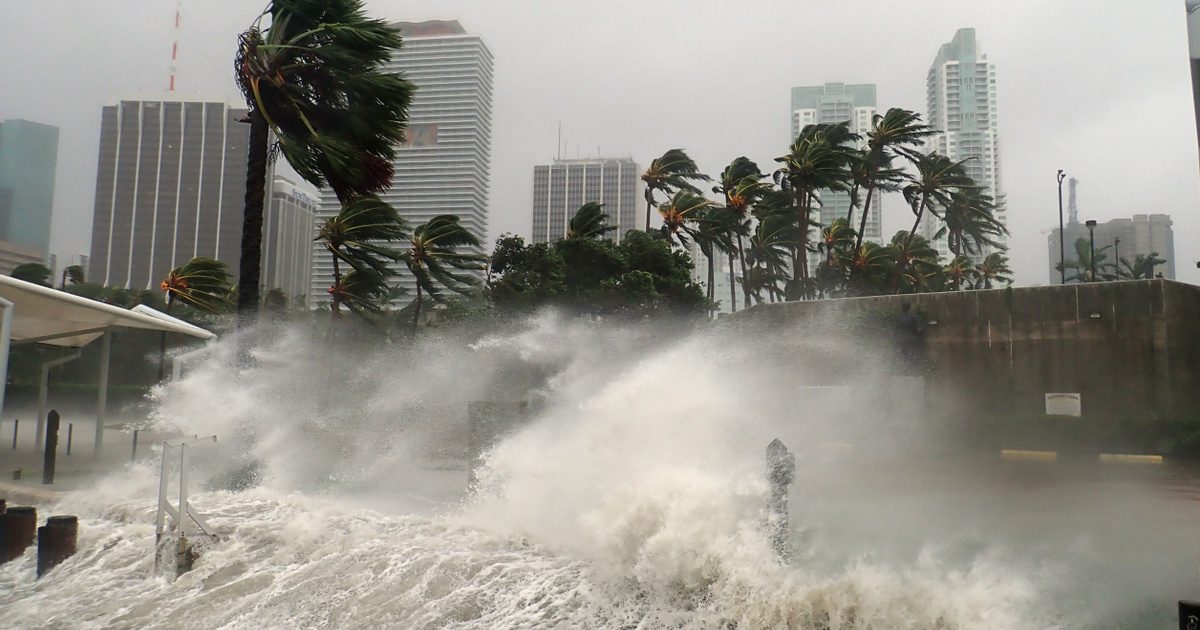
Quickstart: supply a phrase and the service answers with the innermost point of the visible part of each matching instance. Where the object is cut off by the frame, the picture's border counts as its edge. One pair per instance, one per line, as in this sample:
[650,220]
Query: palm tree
[994,268]
[937,177]
[36,273]
[871,267]
[1141,268]
[969,223]
[819,159]
[72,274]
[202,283]
[1081,266]
[361,235]
[363,291]
[711,229]
[672,172]
[896,132]
[679,215]
[433,255]
[314,78]
[589,221]
[771,245]
[960,271]
[837,242]
[915,264]
[742,187]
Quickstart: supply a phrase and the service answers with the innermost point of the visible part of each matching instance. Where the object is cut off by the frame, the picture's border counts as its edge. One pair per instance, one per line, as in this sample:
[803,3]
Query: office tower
[961,93]
[1193,30]
[830,104]
[170,186]
[560,188]
[1127,238]
[28,160]
[287,246]
[443,168]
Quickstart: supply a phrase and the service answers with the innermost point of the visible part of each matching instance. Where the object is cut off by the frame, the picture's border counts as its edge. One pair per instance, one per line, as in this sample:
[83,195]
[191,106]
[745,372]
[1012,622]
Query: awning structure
[36,314]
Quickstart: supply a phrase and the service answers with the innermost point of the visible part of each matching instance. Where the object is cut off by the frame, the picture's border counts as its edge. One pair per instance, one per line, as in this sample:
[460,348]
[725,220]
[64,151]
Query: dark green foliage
[202,283]
[589,221]
[36,273]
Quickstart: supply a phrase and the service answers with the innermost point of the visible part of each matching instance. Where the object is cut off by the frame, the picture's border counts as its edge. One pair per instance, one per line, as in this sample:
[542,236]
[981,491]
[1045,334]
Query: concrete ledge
[1038,456]
[1116,458]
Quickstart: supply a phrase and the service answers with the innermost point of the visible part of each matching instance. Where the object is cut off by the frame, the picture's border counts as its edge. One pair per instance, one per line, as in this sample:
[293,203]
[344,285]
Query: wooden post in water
[16,425]
[56,542]
[133,455]
[17,527]
[781,468]
[70,434]
[51,455]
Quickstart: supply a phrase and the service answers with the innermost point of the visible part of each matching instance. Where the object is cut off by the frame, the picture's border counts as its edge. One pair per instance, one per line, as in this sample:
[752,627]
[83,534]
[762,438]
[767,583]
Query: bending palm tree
[672,172]
[72,274]
[897,132]
[680,214]
[433,258]
[937,177]
[589,221]
[742,186]
[994,268]
[202,283]
[361,236]
[969,222]
[314,77]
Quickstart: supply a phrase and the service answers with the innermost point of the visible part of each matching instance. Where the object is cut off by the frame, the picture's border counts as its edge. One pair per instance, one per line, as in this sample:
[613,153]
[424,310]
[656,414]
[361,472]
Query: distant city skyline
[561,187]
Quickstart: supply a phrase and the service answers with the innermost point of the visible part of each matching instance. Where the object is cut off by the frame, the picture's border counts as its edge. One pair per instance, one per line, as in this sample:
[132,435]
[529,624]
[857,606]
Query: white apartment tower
[559,189]
[287,246]
[834,103]
[444,166]
[961,93]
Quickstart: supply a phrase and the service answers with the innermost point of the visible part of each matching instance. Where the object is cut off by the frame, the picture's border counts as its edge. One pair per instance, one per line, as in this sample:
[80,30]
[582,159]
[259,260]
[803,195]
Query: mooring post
[133,455]
[17,528]
[16,424]
[51,455]
[70,434]
[781,468]
[56,542]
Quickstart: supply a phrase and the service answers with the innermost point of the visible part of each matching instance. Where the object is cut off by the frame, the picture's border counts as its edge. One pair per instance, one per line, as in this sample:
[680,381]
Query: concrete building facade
[560,188]
[28,162]
[170,186]
[289,225]
[444,168]
[961,106]
[1140,235]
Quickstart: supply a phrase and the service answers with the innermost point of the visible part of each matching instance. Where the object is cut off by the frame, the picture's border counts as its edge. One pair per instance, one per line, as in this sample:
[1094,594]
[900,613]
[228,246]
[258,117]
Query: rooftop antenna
[1072,208]
[558,147]
[175,44]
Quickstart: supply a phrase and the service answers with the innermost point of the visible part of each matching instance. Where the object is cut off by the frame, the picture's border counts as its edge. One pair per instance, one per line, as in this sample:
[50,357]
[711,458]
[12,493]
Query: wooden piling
[17,528]
[51,454]
[56,542]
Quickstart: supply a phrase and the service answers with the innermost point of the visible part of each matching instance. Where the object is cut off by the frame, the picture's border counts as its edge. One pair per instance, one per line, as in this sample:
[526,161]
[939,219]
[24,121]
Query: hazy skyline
[1100,89]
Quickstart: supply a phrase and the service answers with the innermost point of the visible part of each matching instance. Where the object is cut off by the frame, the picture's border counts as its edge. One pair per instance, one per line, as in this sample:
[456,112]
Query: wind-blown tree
[896,132]
[436,259]
[680,214]
[1142,267]
[590,221]
[836,244]
[915,265]
[36,273]
[1081,266]
[314,77]
[202,283]
[769,252]
[959,272]
[937,178]
[969,222]
[363,236]
[871,267]
[363,290]
[994,269]
[72,274]
[673,171]
[819,159]
[711,231]
[742,186]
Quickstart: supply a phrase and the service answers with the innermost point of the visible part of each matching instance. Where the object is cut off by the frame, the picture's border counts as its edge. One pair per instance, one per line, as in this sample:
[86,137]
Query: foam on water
[633,500]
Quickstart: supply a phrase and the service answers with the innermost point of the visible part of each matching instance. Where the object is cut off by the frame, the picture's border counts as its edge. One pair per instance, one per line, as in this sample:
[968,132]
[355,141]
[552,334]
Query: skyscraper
[561,187]
[444,167]
[287,246]
[170,186]
[1140,235]
[830,104]
[961,95]
[28,160]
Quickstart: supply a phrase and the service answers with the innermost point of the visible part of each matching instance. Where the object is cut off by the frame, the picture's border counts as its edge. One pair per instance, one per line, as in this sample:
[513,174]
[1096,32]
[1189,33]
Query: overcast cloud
[1100,88]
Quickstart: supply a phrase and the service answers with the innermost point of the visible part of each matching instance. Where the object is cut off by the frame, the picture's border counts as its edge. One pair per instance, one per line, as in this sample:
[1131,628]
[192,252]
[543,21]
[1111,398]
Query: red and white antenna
[175,43]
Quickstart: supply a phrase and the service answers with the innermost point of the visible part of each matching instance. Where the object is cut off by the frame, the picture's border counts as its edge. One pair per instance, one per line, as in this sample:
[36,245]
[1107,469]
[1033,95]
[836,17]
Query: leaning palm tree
[37,273]
[969,222]
[1142,267]
[1082,265]
[72,274]
[742,186]
[435,257]
[672,172]
[711,229]
[312,73]
[679,215]
[363,236]
[896,132]
[937,178]
[960,272]
[994,268]
[202,283]
[769,251]
[590,221]
[362,290]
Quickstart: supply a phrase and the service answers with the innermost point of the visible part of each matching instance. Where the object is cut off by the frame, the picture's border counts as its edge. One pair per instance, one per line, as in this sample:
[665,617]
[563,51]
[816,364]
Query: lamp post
[1117,255]
[1062,256]
[1091,226]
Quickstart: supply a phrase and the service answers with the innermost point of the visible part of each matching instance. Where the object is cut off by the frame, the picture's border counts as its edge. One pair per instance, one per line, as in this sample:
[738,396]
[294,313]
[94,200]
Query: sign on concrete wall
[1063,404]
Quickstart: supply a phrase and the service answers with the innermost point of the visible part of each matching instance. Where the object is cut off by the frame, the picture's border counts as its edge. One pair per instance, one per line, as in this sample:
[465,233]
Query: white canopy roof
[58,318]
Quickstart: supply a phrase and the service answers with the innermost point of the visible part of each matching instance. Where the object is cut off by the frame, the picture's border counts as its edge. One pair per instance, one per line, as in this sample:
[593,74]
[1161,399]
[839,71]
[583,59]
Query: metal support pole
[1117,255]
[5,342]
[102,394]
[1092,244]
[1062,250]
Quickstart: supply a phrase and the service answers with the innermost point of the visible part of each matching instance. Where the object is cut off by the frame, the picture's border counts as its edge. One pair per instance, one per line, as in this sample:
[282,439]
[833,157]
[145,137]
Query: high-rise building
[961,95]
[834,103]
[28,160]
[444,166]
[1126,239]
[560,188]
[170,186]
[287,245]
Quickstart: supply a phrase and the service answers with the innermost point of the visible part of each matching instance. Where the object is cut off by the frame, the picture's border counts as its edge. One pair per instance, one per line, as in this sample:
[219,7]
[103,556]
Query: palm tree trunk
[335,309]
[733,289]
[710,290]
[742,261]
[649,204]
[917,223]
[866,210]
[417,310]
[252,218]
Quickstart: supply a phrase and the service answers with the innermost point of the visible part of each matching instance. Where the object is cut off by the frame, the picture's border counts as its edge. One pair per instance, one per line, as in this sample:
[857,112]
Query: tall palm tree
[969,222]
[871,267]
[435,257]
[314,77]
[960,272]
[742,186]
[915,263]
[994,268]
[72,274]
[937,177]
[711,229]
[362,290]
[896,132]
[680,214]
[201,283]
[673,171]
[1142,267]
[362,235]
[1081,266]
[770,248]
[590,221]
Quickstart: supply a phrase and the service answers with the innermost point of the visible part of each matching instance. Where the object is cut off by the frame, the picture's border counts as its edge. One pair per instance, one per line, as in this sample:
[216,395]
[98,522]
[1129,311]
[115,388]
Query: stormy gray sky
[1097,87]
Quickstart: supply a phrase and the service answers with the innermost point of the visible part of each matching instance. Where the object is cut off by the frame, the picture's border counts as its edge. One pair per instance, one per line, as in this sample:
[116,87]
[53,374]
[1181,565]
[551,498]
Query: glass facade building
[28,161]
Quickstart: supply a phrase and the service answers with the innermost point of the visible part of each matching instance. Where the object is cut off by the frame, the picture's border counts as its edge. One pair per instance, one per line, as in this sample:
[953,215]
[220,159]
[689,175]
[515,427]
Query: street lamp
[1062,256]
[1091,226]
